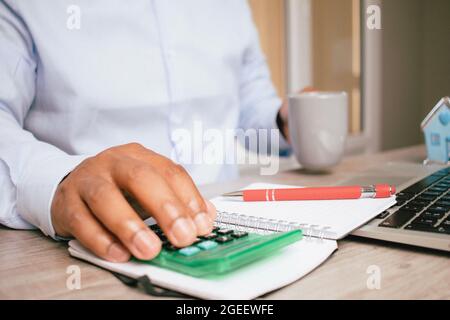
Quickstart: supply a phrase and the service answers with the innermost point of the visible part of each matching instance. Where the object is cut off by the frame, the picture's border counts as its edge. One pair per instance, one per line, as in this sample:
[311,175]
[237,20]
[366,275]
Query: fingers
[308,89]
[184,188]
[186,191]
[211,210]
[108,204]
[91,234]
[90,204]
[156,196]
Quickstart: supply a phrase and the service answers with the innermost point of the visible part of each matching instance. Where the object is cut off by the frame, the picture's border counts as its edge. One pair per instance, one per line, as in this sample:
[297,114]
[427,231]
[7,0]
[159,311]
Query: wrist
[282,125]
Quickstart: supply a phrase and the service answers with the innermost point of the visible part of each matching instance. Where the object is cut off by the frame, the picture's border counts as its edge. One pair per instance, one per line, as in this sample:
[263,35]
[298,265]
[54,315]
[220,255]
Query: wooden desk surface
[34,267]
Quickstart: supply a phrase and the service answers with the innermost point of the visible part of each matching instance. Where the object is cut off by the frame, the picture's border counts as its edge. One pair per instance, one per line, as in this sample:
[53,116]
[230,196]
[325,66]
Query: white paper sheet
[286,266]
[341,216]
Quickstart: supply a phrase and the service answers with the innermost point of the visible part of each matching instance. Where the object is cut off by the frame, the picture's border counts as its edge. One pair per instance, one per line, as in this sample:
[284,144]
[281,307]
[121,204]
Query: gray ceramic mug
[318,125]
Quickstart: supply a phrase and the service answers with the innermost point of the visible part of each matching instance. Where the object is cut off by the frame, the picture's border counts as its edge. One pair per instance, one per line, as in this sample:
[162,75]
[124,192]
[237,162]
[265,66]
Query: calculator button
[207,245]
[170,247]
[224,231]
[210,236]
[224,239]
[189,251]
[196,241]
[162,237]
[239,234]
[158,232]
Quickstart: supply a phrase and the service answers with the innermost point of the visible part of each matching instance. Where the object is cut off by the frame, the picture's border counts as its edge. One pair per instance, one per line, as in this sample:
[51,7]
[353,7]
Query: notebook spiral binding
[242,222]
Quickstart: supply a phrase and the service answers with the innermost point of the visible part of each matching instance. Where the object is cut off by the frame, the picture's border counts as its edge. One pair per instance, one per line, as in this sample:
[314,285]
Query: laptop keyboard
[424,206]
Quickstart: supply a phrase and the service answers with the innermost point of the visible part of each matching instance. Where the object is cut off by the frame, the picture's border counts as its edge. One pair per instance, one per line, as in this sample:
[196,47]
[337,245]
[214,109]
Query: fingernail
[203,223]
[118,253]
[183,231]
[146,244]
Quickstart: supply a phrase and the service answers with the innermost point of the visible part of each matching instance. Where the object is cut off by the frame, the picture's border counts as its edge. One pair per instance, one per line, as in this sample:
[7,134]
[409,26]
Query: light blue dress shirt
[79,76]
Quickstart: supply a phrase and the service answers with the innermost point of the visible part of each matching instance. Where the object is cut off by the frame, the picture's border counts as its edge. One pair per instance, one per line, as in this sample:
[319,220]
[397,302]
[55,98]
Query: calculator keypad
[207,245]
[239,234]
[207,242]
[221,251]
[170,247]
[210,236]
[224,231]
[189,251]
[224,239]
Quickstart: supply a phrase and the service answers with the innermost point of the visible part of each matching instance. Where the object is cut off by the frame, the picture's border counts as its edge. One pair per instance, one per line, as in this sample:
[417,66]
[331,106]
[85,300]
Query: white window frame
[299,69]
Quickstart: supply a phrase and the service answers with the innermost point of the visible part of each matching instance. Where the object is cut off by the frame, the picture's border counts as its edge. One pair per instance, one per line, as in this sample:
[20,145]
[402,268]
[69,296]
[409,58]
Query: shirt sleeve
[30,170]
[258,98]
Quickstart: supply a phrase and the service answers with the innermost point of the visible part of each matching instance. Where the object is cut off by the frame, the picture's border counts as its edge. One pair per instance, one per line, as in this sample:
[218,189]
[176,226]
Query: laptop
[421,216]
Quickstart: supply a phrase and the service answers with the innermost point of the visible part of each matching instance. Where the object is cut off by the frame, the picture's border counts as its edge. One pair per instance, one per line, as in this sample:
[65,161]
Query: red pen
[317,193]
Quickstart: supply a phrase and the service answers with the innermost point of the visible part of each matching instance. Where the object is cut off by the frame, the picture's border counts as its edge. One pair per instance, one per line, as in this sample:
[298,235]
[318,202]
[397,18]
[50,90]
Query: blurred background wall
[319,42]
[416,66]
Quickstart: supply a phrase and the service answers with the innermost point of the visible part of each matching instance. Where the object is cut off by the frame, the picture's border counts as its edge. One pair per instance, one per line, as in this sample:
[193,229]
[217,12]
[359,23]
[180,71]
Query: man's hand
[284,114]
[90,204]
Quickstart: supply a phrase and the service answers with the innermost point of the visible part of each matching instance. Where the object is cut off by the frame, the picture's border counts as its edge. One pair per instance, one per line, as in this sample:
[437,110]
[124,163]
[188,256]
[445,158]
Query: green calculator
[222,251]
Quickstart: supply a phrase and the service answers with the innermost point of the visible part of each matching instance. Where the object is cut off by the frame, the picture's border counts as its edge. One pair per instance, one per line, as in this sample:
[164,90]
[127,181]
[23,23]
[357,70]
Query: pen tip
[233,194]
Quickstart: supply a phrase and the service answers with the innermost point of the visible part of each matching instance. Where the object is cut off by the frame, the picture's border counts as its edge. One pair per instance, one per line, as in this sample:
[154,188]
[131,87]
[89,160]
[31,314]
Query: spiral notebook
[319,220]
[329,219]
[251,281]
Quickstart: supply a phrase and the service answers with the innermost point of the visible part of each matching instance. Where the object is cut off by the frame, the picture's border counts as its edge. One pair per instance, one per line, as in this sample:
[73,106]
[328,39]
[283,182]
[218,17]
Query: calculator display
[220,252]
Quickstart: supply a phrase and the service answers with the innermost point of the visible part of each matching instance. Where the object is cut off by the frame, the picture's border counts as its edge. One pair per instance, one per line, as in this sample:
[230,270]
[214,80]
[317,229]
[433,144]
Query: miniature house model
[436,128]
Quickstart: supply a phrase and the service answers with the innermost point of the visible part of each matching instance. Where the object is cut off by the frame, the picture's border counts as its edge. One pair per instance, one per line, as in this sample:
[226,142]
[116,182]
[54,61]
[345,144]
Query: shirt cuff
[284,146]
[36,189]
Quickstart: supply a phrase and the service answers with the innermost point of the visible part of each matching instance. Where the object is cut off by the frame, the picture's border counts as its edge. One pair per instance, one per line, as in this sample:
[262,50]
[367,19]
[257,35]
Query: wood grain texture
[34,267]
[269,17]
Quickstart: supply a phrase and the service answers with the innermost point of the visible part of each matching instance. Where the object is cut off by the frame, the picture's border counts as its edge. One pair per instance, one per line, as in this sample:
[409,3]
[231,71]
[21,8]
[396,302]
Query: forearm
[30,172]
